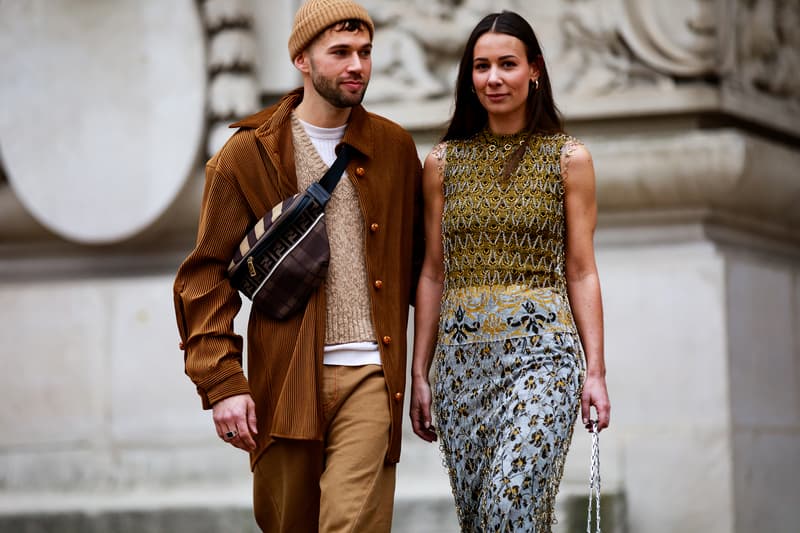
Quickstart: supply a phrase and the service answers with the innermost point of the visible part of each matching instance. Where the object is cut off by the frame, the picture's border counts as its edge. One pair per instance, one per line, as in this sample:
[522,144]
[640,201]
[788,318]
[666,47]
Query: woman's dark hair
[469,116]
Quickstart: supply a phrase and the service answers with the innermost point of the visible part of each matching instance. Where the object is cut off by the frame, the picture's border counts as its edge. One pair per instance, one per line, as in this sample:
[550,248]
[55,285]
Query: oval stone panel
[102,110]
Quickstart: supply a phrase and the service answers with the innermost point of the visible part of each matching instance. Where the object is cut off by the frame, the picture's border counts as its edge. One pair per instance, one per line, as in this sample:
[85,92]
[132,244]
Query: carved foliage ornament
[610,45]
[768,47]
[617,44]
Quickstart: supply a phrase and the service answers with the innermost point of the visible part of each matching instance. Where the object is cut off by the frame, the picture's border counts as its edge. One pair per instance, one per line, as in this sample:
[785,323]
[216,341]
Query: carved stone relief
[608,45]
[768,47]
[233,87]
[418,45]
[604,46]
[612,45]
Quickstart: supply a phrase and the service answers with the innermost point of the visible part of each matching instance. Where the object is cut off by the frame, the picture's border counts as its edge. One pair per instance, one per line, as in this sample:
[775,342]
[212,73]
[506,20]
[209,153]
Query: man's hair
[349,25]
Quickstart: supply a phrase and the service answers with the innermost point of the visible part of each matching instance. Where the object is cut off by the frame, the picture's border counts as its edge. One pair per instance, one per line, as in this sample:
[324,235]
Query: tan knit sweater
[347,289]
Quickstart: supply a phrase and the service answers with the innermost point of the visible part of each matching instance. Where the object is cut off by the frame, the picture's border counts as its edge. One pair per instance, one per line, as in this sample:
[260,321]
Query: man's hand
[235,419]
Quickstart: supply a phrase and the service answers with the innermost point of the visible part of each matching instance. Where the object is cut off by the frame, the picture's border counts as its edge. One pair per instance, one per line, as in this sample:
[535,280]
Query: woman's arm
[583,283]
[429,295]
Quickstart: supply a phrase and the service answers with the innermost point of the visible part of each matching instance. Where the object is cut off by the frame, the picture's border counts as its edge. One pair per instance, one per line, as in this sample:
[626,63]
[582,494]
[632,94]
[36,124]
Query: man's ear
[301,62]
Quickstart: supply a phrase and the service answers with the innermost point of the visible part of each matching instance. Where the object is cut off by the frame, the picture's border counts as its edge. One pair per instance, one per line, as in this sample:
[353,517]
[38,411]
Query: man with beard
[320,409]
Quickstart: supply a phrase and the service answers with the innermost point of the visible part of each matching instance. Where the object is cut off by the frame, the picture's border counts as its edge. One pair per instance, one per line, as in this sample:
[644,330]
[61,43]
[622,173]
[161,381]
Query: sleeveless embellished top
[504,222]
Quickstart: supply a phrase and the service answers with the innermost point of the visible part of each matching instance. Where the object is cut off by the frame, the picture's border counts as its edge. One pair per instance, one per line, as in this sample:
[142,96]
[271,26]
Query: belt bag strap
[334,173]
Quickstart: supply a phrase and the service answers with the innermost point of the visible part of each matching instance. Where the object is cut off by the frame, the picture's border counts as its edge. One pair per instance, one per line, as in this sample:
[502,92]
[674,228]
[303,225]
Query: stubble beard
[328,89]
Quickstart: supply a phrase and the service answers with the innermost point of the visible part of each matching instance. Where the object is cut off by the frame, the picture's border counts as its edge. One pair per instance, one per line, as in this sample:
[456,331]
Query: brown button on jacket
[251,173]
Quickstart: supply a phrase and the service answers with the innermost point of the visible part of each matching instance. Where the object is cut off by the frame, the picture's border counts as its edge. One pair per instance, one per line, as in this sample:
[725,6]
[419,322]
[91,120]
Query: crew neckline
[316,132]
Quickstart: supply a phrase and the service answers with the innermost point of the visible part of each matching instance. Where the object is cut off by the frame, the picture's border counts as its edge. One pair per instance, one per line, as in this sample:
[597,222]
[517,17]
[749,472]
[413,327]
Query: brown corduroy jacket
[284,361]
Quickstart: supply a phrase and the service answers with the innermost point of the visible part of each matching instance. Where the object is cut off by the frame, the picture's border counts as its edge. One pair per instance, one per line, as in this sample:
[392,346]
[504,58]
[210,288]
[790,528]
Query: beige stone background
[109,109]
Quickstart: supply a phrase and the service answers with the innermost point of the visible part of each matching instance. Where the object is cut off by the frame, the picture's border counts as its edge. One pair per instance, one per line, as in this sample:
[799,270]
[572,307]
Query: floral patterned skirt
[508,375]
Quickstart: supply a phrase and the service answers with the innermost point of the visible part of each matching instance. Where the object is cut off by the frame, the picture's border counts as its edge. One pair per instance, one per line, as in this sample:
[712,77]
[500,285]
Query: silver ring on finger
[229,435]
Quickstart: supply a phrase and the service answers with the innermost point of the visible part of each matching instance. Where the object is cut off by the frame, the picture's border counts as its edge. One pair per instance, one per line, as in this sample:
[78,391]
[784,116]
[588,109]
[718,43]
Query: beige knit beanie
[314,16]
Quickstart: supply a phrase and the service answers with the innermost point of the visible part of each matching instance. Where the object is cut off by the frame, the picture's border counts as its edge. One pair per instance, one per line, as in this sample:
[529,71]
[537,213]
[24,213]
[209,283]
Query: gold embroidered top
[504,228]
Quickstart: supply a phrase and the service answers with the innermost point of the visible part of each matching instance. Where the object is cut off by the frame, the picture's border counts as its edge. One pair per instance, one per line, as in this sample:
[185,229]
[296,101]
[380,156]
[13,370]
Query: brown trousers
[341,484]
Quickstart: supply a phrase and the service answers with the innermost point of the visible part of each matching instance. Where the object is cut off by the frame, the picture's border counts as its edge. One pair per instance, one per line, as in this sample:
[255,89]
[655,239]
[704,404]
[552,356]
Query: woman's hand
[420,411]
[595,394]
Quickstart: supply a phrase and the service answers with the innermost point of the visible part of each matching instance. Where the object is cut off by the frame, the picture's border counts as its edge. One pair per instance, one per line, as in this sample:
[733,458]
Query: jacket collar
[270,121]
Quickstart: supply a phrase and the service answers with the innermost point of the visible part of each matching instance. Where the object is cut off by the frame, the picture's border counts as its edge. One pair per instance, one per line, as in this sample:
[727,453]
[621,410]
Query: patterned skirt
[508,375]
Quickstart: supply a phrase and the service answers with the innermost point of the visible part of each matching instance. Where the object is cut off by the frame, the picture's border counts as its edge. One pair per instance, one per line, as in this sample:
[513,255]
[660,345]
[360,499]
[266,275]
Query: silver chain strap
[594,481]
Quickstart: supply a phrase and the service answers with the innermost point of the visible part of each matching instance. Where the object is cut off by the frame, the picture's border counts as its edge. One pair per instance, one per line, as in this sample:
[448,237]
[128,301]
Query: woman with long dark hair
[508,306]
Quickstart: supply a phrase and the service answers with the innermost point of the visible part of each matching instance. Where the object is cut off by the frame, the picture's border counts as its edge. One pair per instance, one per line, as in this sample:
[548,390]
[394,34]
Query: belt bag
[285,256]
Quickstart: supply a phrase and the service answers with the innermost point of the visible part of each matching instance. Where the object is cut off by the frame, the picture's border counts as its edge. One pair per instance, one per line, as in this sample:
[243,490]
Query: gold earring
[536,84]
